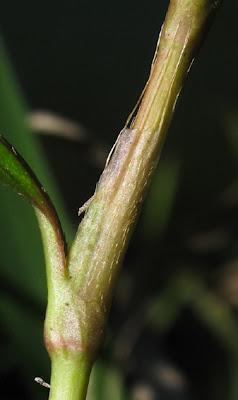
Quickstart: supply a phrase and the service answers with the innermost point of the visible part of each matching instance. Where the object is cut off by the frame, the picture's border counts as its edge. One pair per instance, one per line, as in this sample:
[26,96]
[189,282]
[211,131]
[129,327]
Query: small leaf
[16,173]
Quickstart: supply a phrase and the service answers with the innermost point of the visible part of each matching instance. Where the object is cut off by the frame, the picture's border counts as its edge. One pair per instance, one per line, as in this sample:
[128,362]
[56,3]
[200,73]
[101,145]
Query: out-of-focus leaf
[161,197]
[106,383]
[163,310]
[233,370]
[32,358]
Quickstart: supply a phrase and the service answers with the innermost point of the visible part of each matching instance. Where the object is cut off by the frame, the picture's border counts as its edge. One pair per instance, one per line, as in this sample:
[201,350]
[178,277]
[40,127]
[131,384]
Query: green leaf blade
[16,173]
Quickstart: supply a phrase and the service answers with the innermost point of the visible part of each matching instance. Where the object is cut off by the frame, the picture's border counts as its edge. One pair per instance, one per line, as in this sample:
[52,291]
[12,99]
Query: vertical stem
[70,376]
[104,232]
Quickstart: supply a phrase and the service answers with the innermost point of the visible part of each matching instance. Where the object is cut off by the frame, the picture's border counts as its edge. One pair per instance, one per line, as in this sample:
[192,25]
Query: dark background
[173,330]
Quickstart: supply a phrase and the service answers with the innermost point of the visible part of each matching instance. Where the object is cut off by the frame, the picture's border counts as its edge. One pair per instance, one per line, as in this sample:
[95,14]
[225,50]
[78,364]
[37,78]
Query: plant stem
[104,232]
[70,375]
[103,235]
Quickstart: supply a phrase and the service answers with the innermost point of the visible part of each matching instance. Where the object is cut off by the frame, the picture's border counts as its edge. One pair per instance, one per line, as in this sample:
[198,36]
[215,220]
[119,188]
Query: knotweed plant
[81,280]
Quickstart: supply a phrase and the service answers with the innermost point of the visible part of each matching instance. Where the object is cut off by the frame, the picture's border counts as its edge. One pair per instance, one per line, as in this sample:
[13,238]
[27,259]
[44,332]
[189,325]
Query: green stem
[70,376]
[76,316]
[104,233]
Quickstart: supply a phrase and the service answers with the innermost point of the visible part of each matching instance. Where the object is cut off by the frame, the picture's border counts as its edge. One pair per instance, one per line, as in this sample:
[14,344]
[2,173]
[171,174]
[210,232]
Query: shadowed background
[173,329]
